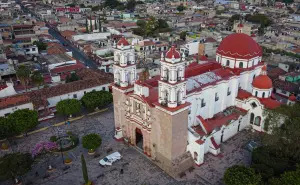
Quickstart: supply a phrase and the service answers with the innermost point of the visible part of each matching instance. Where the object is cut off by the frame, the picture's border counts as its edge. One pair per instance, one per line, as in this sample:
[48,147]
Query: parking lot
[137,169]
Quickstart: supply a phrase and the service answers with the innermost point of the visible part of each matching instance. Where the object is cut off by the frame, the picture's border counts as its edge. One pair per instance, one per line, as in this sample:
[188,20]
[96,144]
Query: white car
[108,160]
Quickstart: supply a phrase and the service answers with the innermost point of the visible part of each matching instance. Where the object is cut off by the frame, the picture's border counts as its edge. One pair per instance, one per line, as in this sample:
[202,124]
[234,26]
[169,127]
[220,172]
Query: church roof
[239,45]
[172,52]
[262,81]
[123,41]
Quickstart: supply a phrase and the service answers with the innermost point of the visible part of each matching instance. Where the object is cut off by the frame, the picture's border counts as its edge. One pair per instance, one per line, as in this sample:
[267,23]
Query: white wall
[8,91]
[92,36]
[15,108]
[54,100]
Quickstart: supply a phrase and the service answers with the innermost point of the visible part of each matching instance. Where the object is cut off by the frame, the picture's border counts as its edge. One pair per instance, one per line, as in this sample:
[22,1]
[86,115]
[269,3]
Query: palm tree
[37,78]
[23,74]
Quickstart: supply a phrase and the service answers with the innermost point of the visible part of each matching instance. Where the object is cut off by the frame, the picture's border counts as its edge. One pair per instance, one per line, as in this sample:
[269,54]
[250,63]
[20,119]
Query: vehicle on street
[110,159]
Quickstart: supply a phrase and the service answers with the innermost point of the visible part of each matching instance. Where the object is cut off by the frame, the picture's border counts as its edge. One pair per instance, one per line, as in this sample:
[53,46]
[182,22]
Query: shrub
[241,175]
[53,138]
[91,141]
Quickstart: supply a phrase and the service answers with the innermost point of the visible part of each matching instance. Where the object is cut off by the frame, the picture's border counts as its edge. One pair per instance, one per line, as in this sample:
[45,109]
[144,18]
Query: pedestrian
[121,171]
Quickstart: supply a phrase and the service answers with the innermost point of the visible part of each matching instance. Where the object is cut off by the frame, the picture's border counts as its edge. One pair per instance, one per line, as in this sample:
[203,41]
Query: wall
[15,108]
[54,100]
[92,36]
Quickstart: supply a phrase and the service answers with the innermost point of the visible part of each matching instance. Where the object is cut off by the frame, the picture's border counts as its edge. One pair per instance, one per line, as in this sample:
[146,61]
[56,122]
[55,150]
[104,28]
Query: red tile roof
[198,69]
[12,101]
[69,68]
[172,52]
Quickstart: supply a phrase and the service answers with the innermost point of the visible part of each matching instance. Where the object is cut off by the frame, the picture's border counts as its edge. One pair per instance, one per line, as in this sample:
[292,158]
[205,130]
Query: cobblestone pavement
[137,169]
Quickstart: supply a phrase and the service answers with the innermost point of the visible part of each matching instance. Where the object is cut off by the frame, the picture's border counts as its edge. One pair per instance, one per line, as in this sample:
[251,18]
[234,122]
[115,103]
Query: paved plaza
[137,169]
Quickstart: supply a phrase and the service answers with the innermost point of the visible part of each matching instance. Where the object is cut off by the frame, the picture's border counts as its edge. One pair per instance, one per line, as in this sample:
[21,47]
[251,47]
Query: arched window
[219,59]
[256,93]
[227,63]
[257,121]
[251,118]
[241,65]
[195,156]
[263,95]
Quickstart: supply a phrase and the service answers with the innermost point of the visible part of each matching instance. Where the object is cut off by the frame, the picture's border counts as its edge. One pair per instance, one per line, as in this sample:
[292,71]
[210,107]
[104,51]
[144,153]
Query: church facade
[177,117]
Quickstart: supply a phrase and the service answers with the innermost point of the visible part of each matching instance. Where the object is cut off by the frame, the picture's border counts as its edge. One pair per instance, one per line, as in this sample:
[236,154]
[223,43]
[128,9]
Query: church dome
[239,45]
[173,52]
[123,41]
[262,81]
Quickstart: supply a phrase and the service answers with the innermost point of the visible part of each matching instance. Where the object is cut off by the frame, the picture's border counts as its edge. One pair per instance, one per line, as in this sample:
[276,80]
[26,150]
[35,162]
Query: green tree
[131,5]
[6,128]
[94,99]
[84,171]
[91,141]
[112,3]
[288,178]
[41,45]
[233,18]
[37,78]
[23,120]
[241,175]
[74,77]
[68,107]
[183,35]
[141,23]
[14,165]
[180,8]
[23,73]
[86,26]
[162,24]
[151,26]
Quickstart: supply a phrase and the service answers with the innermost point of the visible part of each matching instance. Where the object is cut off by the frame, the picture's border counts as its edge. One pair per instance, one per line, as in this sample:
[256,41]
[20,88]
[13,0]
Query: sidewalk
[47,124]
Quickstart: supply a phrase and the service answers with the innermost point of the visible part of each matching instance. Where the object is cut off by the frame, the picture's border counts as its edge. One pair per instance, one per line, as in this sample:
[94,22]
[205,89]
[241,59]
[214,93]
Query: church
[188,110]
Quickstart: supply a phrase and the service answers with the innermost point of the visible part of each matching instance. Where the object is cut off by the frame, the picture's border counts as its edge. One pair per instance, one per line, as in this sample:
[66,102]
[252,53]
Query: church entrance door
[139,138]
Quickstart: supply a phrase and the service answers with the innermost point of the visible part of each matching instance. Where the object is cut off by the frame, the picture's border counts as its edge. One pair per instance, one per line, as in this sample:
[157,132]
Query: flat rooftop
[57,58]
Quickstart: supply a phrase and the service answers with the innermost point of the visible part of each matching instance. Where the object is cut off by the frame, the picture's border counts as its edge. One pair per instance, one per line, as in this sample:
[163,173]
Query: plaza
[137,168]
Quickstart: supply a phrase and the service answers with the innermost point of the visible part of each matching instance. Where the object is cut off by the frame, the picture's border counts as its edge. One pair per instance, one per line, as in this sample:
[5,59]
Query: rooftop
[57,58]
[12,101]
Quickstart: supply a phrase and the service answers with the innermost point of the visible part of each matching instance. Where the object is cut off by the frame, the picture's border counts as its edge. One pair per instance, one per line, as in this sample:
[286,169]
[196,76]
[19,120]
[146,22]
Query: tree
[180,8]
[237,175]
[183,35]
[37,78]
[151,26]
[91,141]
[84,171]
[68,107]
[41,45]
[74,77]
[6,128]
[288,178]
[86,26]
[23,120]
[23,73]
[131,5]
[14,165]
[162,24]
[94,99]
[141,23]
[233,18]
[112,3]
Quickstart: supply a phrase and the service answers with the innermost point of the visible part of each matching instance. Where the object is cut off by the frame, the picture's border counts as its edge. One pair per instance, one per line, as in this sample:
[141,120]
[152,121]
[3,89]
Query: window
[257,121]
[203,103]
[6,114]
[253,104]
[84,92]
[33,49]
[219,59]
[228,91]
[216,97]
[74,95]
[195,156]
[256,93]
[227,63]
[251,118]
[103,89]
[263,94]
[241,65]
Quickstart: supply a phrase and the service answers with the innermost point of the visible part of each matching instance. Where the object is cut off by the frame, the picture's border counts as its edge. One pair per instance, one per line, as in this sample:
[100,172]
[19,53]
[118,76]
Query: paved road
[77,54]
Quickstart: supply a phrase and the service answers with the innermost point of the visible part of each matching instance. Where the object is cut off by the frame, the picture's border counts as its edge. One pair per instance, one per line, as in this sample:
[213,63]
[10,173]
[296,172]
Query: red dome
[240,25]
[292,98]
[123,41]
[172,52]
[262,82]
[239,45]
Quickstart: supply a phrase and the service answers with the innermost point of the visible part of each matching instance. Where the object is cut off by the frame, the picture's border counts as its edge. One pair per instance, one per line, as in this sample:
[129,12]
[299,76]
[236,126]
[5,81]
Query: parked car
[110,159]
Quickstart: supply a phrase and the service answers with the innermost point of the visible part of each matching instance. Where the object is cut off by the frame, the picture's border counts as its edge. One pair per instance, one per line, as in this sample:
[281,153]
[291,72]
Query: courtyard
[133,168]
